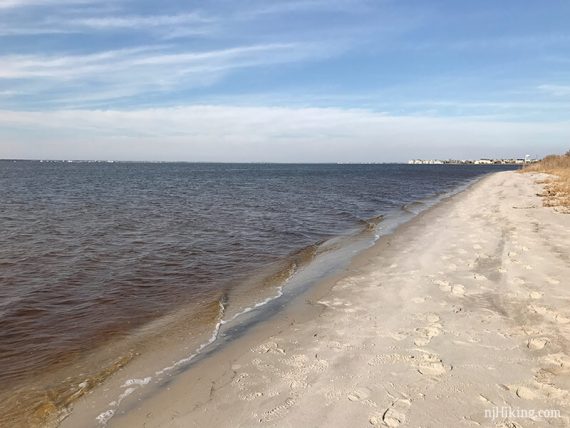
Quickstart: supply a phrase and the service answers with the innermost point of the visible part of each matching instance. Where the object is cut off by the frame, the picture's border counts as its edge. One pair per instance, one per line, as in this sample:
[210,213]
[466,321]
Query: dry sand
[461,311]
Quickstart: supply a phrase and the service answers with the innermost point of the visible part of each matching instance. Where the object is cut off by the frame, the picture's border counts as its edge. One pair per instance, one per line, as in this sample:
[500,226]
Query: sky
[283,80]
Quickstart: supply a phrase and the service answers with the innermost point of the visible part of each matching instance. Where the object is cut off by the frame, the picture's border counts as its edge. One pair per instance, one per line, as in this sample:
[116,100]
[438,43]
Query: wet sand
[460,314]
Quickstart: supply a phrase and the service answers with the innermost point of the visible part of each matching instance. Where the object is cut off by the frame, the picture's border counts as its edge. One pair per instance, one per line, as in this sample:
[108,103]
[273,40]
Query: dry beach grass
[556,188]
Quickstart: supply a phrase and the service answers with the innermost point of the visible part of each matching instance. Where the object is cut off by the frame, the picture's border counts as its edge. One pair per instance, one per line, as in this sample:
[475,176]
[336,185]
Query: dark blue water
[91,251]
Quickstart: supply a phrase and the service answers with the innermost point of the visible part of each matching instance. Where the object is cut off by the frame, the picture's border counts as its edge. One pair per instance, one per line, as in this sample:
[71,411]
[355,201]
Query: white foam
[125,394]
[220,323]
[212,339]
[257,305]
[138,382]
[104,417]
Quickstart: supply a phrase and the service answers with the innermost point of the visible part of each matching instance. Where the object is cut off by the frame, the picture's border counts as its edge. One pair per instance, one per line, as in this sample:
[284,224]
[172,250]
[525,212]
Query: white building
[483,162]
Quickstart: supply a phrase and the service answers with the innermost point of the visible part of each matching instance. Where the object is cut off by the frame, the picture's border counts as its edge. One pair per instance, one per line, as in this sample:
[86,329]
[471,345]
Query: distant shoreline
[426,162]
[483,161]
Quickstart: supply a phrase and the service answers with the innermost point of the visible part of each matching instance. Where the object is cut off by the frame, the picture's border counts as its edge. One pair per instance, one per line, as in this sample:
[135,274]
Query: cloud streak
[135,60]
[556,90]
[164,25]
[130,22]
[12,4]
[130,72]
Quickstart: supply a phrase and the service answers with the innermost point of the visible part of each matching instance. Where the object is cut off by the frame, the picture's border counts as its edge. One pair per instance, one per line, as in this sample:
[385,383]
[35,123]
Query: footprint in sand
[560,361]
[428,332]
[535,295]
[544,383]
[268,347]
[432,369]
[525,393]
[432,365]
[537,343]
[457,290]
[278,411]
[549,314]
[517,281]
[508,424]
[399,336]
[432,318]
[443,285]
[394,416]
[244,386]
[251,396]
[359,394]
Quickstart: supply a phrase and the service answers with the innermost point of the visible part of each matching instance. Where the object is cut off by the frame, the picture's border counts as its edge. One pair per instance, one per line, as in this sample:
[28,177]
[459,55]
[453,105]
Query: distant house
[483,162]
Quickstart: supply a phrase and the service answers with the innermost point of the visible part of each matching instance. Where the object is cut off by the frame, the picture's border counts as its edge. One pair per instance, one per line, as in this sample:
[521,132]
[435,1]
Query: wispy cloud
[10,4]
[556,90]
[205,44]
[67,66]
[141,21]
[295,6]
[37,30]
[143,60]
[139,70]
[167,26]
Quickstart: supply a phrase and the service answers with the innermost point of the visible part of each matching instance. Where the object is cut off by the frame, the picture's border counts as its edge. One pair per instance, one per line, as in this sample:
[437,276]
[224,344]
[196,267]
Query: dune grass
[557,187]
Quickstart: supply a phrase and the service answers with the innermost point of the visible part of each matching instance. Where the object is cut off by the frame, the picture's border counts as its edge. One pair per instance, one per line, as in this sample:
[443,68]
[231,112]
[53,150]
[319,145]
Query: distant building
[483,161]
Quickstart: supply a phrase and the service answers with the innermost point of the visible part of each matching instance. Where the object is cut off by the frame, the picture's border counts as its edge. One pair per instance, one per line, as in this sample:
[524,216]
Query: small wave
[371,223]
[297,259]
[132,384]
[222,308]
[413,207]
[305,255]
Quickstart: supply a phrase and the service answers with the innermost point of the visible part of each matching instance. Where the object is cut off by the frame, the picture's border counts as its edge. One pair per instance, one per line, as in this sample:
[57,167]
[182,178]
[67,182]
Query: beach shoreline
[369,343]
[148,289]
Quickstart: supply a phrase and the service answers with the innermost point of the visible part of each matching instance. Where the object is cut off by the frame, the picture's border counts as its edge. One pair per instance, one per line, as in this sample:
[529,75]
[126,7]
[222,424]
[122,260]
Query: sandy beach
[459,318]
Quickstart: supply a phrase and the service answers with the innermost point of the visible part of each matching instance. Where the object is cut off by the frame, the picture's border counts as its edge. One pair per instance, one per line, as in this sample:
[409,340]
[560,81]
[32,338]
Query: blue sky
[294,80]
